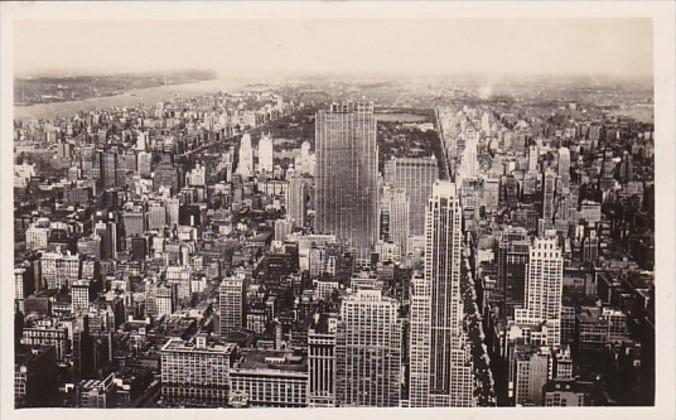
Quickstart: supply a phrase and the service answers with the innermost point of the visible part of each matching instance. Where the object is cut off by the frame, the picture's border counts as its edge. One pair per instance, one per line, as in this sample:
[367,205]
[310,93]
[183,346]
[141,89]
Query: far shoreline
[134,97]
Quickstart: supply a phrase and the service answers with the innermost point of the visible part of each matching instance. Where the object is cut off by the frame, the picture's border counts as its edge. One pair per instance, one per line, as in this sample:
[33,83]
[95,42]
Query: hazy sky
[416,46]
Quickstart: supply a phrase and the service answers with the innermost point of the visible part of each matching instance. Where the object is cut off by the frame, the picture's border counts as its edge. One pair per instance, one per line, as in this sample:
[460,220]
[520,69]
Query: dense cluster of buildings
[151,272]
[563,324]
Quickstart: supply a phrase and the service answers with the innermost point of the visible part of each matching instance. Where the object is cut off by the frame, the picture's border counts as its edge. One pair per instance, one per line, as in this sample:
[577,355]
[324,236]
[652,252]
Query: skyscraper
[23,286]
[511,256]
[157,216]
[265,154]
[368,350]
[322,362]
[305,163]
[35,376]
[490,194]
[486,123]
[134,221]
[544,284]
[396,206]
[469,166]
[346,199]
[295,199]
[564,167]
[232,302]
[245,167]
[141,141]
[415,176]
[419,342]
[197,176]
[90,162]
[172,207]
[440,371]
[121,170]
[165,299]
[563,203]
[533,158]
[531,375]
[144,163]
[544,277]
[590,247]
[442,270]
[548,190]
[166,175]
[107,231]
[108,169]
[626,167]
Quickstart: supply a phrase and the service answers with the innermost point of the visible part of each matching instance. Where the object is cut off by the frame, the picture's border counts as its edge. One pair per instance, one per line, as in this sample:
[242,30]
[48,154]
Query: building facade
[245,166]
[265,154]
[295,199]
[232,303]
[416,177]
[346,201]
[437,339]
[544,286]
[368,351]
[195,374]
[322,362]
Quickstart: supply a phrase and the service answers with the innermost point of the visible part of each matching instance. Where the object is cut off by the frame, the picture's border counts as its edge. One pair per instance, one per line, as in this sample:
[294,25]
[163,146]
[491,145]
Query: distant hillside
[40,90]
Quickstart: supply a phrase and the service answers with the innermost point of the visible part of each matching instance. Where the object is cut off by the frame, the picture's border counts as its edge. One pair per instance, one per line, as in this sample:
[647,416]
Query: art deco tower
[440,373]
[443,246]
[544,279]
[245,167]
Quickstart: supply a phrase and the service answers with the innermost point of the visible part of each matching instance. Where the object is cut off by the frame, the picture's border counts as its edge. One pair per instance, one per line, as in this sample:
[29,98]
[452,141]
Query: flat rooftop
[282,361]
[178,345]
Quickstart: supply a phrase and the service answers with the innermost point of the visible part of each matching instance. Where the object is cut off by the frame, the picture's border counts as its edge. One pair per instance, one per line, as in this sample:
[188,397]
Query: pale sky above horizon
[612,46]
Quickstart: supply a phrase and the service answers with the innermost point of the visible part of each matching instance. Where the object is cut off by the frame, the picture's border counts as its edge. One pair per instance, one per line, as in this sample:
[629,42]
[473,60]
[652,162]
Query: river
[135,97]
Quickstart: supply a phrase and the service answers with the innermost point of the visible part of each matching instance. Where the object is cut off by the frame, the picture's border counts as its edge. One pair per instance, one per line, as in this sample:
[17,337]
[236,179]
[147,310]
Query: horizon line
[255,73]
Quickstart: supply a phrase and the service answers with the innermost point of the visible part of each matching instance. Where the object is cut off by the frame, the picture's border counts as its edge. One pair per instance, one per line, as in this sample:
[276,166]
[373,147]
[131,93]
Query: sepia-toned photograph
[281,210]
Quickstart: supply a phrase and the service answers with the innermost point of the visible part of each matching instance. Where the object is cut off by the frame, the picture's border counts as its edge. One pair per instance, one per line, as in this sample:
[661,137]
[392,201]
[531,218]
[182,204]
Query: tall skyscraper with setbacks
[440,373]
[245,166]
[346,197]
[443,246]
[544,286]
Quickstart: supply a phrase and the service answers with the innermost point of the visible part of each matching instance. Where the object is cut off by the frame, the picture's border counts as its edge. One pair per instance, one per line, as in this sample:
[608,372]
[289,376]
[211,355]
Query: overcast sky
[416,46]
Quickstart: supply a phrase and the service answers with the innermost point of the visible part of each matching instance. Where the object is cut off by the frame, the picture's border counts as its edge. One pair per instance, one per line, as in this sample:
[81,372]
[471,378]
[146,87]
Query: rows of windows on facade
[174,256]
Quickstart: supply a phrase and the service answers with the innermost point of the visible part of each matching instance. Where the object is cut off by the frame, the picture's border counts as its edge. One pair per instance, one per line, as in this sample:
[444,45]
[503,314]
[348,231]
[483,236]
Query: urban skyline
[321,239]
